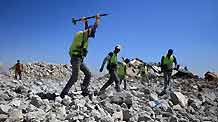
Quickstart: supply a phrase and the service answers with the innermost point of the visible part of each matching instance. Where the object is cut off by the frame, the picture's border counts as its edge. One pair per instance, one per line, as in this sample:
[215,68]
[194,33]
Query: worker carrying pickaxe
[78,51]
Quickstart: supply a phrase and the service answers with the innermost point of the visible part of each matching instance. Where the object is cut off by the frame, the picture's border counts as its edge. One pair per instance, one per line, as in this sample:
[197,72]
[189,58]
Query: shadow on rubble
[49,96]
[119,99]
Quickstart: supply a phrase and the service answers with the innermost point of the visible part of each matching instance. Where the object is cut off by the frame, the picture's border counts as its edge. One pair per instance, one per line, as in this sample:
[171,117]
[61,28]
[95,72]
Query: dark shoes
[85,93]
[118,88]
[162,93]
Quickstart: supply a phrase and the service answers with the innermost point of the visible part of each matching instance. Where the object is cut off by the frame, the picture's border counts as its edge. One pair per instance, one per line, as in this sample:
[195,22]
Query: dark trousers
[18,73]
[167,78]
[77,65]
[113,77]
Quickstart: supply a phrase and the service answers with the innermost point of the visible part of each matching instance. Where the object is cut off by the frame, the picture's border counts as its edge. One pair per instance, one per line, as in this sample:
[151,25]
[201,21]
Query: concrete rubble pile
[190,100]
[42,70]
[211,76]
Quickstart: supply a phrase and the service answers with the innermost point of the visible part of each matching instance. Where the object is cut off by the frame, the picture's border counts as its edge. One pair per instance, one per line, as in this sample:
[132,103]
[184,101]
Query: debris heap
[191,99]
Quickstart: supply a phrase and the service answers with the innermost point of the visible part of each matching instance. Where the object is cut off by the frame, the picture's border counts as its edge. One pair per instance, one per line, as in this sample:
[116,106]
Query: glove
[101,69]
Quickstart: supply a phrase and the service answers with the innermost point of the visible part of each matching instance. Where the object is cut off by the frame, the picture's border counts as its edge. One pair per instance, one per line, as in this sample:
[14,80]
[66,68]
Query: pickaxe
[76,20]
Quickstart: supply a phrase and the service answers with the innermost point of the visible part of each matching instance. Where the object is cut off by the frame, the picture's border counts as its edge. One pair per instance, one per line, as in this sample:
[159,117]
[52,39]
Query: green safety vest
[168,61]
[121,70]
[144,71]
[113,59]
[79,44]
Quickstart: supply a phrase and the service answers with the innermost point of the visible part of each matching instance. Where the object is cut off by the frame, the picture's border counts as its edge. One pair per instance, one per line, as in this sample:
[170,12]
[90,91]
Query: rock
[146,91]
[133,88]
[89,106]
[144,116]
[51,117]
[60,112]
[80,103]
[134,118]
[127,114]
[15,116]
[96,115]
[178,98]
[111,108]
[67,100]
[4,109]
[58,99]
[184,74]
[106,119]
[31,108]
[177,107]
[3,117]
[118,115]
[121,98]
[153,97]
[15,102]
[20,90]
[173,119]
[124,106]
[37,115]
[211,76]
[36,101]
[4,97]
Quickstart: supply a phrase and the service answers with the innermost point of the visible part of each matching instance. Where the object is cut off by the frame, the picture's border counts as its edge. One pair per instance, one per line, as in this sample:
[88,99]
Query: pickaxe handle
[76,20]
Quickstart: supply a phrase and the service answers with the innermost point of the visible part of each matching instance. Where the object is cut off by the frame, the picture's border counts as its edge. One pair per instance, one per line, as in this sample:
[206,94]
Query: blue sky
[41,30]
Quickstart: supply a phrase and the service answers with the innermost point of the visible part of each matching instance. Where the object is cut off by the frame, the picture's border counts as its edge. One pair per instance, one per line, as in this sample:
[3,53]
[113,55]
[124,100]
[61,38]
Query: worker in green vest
[143,71]
[112,64]
[78,51]
[121,71]
[167,67]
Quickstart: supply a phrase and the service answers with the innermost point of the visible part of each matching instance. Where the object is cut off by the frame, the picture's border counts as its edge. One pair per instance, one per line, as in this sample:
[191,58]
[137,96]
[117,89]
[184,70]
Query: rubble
[211,76]
[178,98]
[182,73]
[4,109]
[36,98]
[43,70]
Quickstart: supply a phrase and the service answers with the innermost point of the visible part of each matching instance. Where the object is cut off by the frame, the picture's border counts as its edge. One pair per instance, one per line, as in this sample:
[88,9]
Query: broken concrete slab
[211,76]
[4,109]
[178,98]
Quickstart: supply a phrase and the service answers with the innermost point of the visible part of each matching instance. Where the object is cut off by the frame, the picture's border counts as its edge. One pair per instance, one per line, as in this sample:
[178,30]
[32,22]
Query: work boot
[101,92]
[162,93]
[62,96]
[85,90]
[85,93]
[125,88]
[117,88]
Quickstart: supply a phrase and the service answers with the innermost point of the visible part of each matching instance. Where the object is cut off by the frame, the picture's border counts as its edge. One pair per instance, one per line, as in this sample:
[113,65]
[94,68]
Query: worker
[167,68]
[18,70]
[121,71]
[143,71]
[78,51]
[112,63]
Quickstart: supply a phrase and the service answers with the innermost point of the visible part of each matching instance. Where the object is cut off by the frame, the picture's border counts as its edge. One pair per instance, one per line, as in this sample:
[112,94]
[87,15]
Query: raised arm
[104,62]
[85,21]
[97,21]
